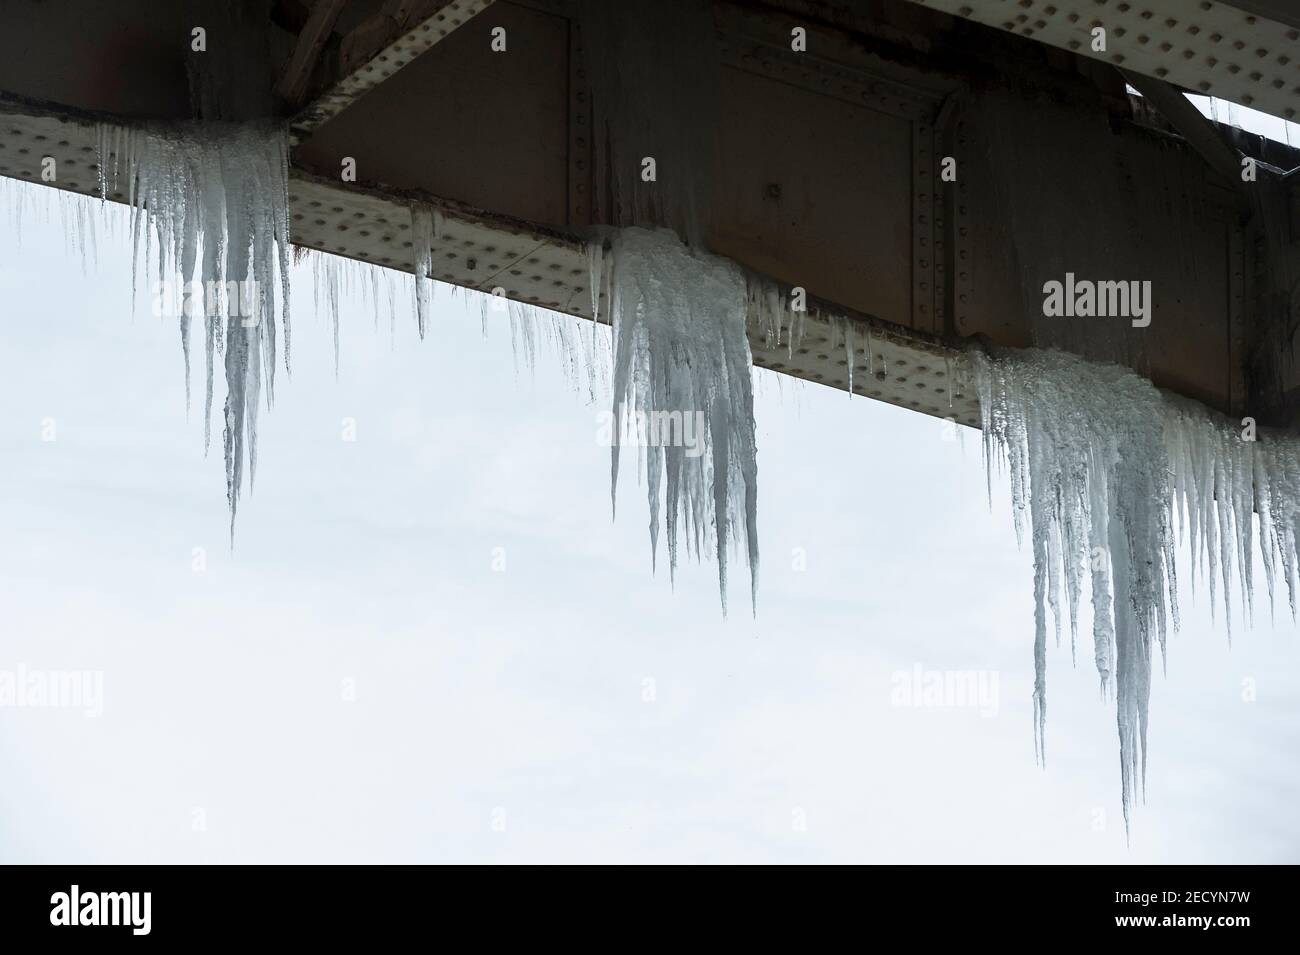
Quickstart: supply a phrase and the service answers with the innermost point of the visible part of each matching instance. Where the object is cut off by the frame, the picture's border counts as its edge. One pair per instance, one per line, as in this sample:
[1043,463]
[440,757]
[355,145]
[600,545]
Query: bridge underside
[827,165]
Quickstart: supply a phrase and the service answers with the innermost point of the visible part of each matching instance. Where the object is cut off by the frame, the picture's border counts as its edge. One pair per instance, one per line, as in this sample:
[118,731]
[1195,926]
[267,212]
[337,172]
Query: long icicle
[214,196]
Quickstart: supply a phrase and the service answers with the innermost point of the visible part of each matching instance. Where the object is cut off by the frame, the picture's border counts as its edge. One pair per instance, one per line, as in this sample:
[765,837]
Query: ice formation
[1109,474]
[777,320]
[335,276]
[75,211]
[214,197]
[680,348]
[426,224]
[582,356]
[1105,466]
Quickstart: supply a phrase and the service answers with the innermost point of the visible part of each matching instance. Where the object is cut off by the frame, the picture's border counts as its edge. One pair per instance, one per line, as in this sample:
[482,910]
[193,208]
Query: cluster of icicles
[1102,462]
[681,348]
[682,322]
[214,198]
[1113,474]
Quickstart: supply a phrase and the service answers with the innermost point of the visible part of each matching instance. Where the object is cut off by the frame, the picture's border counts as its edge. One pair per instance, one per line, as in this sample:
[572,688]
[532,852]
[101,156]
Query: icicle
[595,276]
[335,276]
[215,196]
[75,212]
[584,359]
[327,275]
[869,356]
[779,322]
[1105,464]
[681,358]
[423,232]
[848,352]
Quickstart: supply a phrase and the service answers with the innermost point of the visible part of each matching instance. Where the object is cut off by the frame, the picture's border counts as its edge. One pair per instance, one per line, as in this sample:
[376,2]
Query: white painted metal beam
[1206,46]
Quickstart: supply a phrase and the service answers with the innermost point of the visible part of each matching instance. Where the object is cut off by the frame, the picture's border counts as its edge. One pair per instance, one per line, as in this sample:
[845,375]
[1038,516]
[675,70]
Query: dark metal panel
[1237,331]
[126,57]
[826,169]
[816,192]
[1052,191]
[488,129]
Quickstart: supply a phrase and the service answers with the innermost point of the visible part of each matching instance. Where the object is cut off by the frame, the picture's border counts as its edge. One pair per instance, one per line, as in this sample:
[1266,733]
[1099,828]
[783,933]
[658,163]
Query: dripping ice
[1108,470]
[426,226]
[682,321]
[680,347]
[214,198]
[1110,475]
[334,277]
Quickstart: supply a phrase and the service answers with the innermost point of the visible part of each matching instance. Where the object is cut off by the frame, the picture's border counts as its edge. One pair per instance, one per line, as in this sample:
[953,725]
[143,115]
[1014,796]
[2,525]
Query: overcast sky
[357,682]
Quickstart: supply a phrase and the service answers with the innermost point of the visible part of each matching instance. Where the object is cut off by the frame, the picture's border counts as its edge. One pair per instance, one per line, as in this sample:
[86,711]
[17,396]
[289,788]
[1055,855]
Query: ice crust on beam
[214,197]
[681,356]
[1107,470]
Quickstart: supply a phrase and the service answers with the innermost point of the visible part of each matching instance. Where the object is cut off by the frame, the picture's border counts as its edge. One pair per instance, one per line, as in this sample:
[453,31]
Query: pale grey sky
[500,716]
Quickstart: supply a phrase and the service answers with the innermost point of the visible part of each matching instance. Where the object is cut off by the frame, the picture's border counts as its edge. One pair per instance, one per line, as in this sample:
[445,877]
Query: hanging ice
[681,356]
[215,197]
[584,359]
[426,224]
[335,277]
[1105,465]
